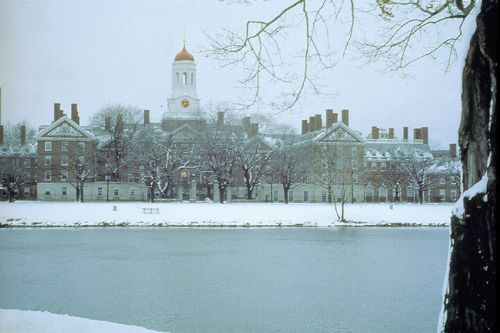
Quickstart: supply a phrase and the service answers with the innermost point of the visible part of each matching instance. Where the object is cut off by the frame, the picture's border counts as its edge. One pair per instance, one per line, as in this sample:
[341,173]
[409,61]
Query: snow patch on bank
[35,214]
[17,321]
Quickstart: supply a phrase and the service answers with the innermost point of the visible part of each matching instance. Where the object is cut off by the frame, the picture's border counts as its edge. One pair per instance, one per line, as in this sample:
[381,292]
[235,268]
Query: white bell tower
[183,102]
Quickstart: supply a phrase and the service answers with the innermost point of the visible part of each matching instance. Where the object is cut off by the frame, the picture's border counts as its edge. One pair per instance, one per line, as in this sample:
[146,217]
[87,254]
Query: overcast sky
[96,53]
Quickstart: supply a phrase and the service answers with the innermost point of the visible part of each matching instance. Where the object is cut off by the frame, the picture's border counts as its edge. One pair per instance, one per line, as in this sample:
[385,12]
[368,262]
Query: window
[306,196]
[290,196]
[178,80]
[192,79]
[369,193]
[354,164]
[323,196]
[382,193]
[26,190]
[64,159]
[48,146]
[442,195]
[354,177]
[116,192]
[81,146]
[184,79]
[382,166]
[373,166]
[131,192]
[26,163]
[48,160]
[442,180]
[99,191]
[47,192]
[47,175]
[339,150]
[366,166]
[64,190]
[411,194]
[354,150]
[64,146]
[275,196]
[64,175]
[453,195]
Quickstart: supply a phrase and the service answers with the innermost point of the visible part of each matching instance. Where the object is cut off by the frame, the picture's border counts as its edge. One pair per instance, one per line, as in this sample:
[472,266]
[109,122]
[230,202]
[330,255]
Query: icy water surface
[230,280]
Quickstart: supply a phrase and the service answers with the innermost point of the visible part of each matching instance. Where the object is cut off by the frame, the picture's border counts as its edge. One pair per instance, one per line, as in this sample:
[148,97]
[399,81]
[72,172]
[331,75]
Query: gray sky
[103,52]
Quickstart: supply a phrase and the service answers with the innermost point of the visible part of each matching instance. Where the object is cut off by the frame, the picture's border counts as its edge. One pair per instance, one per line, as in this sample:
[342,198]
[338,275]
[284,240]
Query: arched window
[382,194]
[184,79]
[369,193]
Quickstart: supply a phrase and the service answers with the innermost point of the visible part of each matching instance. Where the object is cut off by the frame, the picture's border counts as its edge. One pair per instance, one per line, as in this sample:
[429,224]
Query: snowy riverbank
[41,214]
[17,321]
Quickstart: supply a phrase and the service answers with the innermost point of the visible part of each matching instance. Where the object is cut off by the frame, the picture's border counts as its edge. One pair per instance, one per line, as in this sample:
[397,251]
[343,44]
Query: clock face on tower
[185,103]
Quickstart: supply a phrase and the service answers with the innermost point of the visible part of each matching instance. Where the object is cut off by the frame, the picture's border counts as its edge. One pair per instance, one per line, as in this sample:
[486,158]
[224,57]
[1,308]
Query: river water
[230,280]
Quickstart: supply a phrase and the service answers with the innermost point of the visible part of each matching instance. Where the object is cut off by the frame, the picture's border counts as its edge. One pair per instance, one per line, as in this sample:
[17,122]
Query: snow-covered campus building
[190,157]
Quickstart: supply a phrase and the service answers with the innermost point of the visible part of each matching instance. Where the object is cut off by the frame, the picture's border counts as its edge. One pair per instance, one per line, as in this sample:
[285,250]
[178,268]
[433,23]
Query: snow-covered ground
[32,213]
[17,321]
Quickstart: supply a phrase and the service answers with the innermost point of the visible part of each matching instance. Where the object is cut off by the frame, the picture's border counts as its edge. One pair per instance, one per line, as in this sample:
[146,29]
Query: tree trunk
[222,192]
[152,193]
[81,193]
[420,196]
[470,304]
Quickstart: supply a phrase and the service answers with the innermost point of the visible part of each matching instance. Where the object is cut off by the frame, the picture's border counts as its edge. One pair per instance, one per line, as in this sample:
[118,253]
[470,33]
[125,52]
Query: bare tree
[121,124]
[81,167]
[287,164]
[11,176]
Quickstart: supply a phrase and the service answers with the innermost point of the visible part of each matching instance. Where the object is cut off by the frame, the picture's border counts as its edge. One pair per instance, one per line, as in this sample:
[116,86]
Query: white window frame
[64,191]
[64,160]
[64,175]
[47,175]
[48,146]
[64,146]
[47,160]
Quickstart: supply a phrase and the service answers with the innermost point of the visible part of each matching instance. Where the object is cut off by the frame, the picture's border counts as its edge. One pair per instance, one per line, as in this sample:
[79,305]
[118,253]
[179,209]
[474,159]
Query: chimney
[345,117]
[329,118]
[146,117]
[391,133]
[335,118]
[254,129]
[405,133]
[1,134]
[453,150]
[305,126]
[107,123]
[319,121]
[424,134]
[375,132]
[23,134]
[57,111]
[220,118]
[312,124]
[74,113]
[245,122]
[417,134]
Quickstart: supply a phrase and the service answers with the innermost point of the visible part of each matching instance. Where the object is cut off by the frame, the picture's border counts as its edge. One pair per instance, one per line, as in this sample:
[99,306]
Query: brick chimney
[391,133]
[107,123]
[319,121]
[23,134]
[305,126]
[146,117]
[254,129]
[74,113]
[345,117]
[312,124]
[1,134]
[58,113]
[424,134]
[245,123]
[335,118]
[375,132]
[220,118]
[453,150]
[417,134]
[405,133]
[329,117]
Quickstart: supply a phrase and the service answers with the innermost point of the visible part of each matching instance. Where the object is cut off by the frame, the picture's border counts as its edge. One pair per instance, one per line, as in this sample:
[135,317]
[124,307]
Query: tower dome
[184,55]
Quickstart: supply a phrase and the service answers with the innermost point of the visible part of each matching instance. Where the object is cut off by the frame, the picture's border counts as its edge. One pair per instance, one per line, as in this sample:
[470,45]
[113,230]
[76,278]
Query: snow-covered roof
[18,150]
